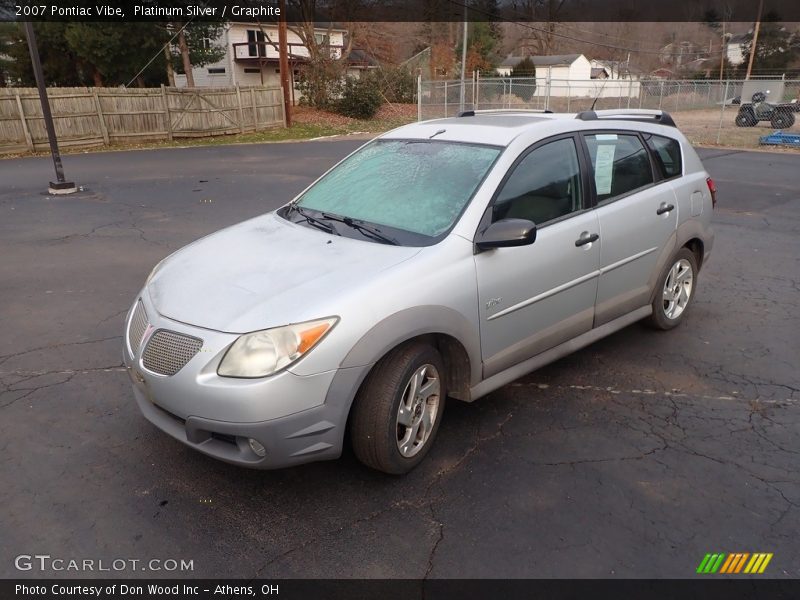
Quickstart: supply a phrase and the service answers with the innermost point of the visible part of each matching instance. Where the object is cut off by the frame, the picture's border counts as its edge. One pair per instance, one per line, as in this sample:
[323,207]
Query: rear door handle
[665,208]
[587,238]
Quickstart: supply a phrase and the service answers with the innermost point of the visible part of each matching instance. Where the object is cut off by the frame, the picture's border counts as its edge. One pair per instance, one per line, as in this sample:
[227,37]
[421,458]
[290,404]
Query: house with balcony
[252,57]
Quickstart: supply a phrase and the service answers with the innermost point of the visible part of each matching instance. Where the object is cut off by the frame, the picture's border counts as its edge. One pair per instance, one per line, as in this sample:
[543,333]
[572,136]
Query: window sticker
[605,136]
[603,166]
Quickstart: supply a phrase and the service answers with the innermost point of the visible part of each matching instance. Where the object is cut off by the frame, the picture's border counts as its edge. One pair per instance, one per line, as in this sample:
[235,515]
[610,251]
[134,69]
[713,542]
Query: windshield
[419,186]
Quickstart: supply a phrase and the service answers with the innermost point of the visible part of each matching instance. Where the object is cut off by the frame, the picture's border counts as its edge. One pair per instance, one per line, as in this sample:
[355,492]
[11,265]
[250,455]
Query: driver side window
[544,186]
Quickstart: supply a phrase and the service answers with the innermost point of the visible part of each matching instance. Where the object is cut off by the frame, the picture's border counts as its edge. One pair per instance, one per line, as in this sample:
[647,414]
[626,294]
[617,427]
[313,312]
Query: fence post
[101,118]
[722,111]
[549,82]
[255,110]
[25,130]
[630,90]
[569,94]
[445,98]
[283,109]
[240,112]
[660,94]
[167,114]
[477,89]
[419,97]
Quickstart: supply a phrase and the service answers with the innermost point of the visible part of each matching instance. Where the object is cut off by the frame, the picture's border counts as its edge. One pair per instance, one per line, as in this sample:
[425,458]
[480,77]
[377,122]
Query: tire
[782,119]
[379,436]
[670,306]
[745,118]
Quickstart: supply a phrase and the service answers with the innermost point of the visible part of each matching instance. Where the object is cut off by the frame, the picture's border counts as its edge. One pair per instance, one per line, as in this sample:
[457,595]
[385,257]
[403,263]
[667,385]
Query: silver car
[443,259]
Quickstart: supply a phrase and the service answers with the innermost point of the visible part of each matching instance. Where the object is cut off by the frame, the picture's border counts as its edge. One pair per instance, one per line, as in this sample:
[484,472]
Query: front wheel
[745,118]
[674,290]
[397,411]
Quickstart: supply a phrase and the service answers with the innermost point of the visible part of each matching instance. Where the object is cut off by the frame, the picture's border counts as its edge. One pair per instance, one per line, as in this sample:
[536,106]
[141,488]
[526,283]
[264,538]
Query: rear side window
[620,164]
[668,155]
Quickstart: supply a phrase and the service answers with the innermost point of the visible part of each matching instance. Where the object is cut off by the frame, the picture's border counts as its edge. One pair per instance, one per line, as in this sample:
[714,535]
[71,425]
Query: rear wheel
[675,290]
[398,409]
[782,119]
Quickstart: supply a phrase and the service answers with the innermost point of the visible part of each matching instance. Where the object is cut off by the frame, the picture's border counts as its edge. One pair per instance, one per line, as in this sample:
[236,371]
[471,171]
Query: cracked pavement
[631,458]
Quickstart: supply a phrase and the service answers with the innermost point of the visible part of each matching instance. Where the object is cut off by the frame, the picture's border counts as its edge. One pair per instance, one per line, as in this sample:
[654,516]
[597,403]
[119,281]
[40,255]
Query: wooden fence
[105,116]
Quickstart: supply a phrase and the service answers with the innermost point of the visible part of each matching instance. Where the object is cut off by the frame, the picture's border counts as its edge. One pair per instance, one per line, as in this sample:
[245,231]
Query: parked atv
[780,116]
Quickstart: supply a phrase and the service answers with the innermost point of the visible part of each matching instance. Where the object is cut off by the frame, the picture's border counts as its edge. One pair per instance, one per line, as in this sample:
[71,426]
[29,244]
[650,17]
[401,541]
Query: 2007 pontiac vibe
[443,259]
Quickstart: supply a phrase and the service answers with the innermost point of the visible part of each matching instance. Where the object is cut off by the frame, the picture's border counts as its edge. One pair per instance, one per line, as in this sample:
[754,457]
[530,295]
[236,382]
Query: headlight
[263,353]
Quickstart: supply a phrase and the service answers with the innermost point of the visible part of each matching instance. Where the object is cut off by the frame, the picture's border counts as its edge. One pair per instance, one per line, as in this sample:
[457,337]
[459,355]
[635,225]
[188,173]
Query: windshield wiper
[366,230]
[312,220]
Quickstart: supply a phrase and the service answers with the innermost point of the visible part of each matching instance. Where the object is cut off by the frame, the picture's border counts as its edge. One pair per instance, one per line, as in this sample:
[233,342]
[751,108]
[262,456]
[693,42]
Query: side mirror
[506,233]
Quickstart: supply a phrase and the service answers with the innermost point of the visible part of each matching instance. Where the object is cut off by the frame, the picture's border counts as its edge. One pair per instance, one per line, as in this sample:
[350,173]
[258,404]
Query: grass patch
[300,130]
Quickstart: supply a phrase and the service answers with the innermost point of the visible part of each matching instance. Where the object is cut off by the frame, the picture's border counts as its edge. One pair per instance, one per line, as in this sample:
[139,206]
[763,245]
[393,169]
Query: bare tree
[183,47]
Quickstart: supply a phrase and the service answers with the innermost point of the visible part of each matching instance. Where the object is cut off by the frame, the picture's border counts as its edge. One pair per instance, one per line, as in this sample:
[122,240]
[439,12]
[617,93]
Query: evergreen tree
[777,47]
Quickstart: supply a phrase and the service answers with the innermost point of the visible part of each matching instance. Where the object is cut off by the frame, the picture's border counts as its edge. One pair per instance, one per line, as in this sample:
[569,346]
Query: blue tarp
[779,138]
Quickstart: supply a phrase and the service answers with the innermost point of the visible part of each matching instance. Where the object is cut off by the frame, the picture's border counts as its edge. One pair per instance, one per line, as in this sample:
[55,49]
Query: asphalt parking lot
[631,458]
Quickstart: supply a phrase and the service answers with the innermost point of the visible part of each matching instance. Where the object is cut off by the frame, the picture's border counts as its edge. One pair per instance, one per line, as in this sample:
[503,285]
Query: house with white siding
[573,75]
[252,57]
[560,66]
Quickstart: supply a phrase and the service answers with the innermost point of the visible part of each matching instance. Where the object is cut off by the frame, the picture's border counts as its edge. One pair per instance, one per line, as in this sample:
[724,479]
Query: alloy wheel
[417,411]
[678,288]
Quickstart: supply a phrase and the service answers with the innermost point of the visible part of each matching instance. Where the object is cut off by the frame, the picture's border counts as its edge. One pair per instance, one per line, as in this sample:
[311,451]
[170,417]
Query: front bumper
[297,419]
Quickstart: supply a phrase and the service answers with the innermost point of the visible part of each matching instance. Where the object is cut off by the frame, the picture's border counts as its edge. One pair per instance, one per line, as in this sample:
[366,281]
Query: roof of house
[597,71]
[542,61]
[362,58]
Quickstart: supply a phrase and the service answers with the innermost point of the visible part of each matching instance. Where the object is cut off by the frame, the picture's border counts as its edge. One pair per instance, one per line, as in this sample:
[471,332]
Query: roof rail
[630,114]
[496,111]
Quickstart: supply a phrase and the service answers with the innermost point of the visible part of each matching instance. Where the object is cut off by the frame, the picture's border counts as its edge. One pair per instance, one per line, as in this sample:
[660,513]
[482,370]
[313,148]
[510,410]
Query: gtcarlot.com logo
[46,562]
[734,563]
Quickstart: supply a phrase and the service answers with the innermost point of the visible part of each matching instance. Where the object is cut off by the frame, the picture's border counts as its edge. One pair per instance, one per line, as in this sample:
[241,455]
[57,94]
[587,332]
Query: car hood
[263,273]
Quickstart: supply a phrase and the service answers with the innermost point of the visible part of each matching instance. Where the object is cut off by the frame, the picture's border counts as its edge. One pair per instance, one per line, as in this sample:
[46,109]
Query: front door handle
[587,238]
[665,208]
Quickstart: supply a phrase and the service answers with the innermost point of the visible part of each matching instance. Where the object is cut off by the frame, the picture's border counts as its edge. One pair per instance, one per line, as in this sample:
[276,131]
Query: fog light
[256,447]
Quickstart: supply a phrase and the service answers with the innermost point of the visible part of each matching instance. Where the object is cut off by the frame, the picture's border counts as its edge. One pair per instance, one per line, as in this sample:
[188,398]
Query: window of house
[216,70]
[255,43]
[544,186]
[251,70]
[668,155]
[321,39]
[620,164]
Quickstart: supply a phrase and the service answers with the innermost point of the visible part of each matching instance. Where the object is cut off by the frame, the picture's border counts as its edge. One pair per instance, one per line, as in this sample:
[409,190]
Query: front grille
[137,327]
[167,352]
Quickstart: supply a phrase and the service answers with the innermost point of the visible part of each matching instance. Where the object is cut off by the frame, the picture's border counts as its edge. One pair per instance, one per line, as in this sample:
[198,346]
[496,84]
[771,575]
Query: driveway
[631,458]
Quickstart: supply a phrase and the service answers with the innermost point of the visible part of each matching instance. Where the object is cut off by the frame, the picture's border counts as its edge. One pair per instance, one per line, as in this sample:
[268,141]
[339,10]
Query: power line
[574,39]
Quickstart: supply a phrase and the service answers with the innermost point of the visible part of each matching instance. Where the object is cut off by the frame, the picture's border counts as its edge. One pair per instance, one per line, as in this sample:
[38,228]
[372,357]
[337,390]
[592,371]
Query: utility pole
[755,39]
[722,53]
[61,185]
[463,60]
[283,50]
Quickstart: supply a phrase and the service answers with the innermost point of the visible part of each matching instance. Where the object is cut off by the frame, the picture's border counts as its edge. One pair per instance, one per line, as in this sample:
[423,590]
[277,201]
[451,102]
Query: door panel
[637,222]
[634,237]
[535,297]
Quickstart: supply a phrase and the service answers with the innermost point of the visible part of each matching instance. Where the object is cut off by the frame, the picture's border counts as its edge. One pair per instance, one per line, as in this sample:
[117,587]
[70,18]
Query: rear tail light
[712,187]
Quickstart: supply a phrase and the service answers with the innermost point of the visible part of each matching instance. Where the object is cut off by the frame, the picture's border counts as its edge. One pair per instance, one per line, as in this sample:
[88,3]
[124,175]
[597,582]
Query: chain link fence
[708,112]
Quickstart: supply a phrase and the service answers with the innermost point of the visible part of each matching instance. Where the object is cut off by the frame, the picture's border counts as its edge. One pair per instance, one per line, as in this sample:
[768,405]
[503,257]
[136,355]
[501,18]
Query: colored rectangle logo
[734,563]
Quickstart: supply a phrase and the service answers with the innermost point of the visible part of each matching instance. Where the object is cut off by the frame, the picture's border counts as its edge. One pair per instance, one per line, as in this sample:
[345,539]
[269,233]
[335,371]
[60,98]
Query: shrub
[360,99]
[320,83]
[525,68]
[397,84]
